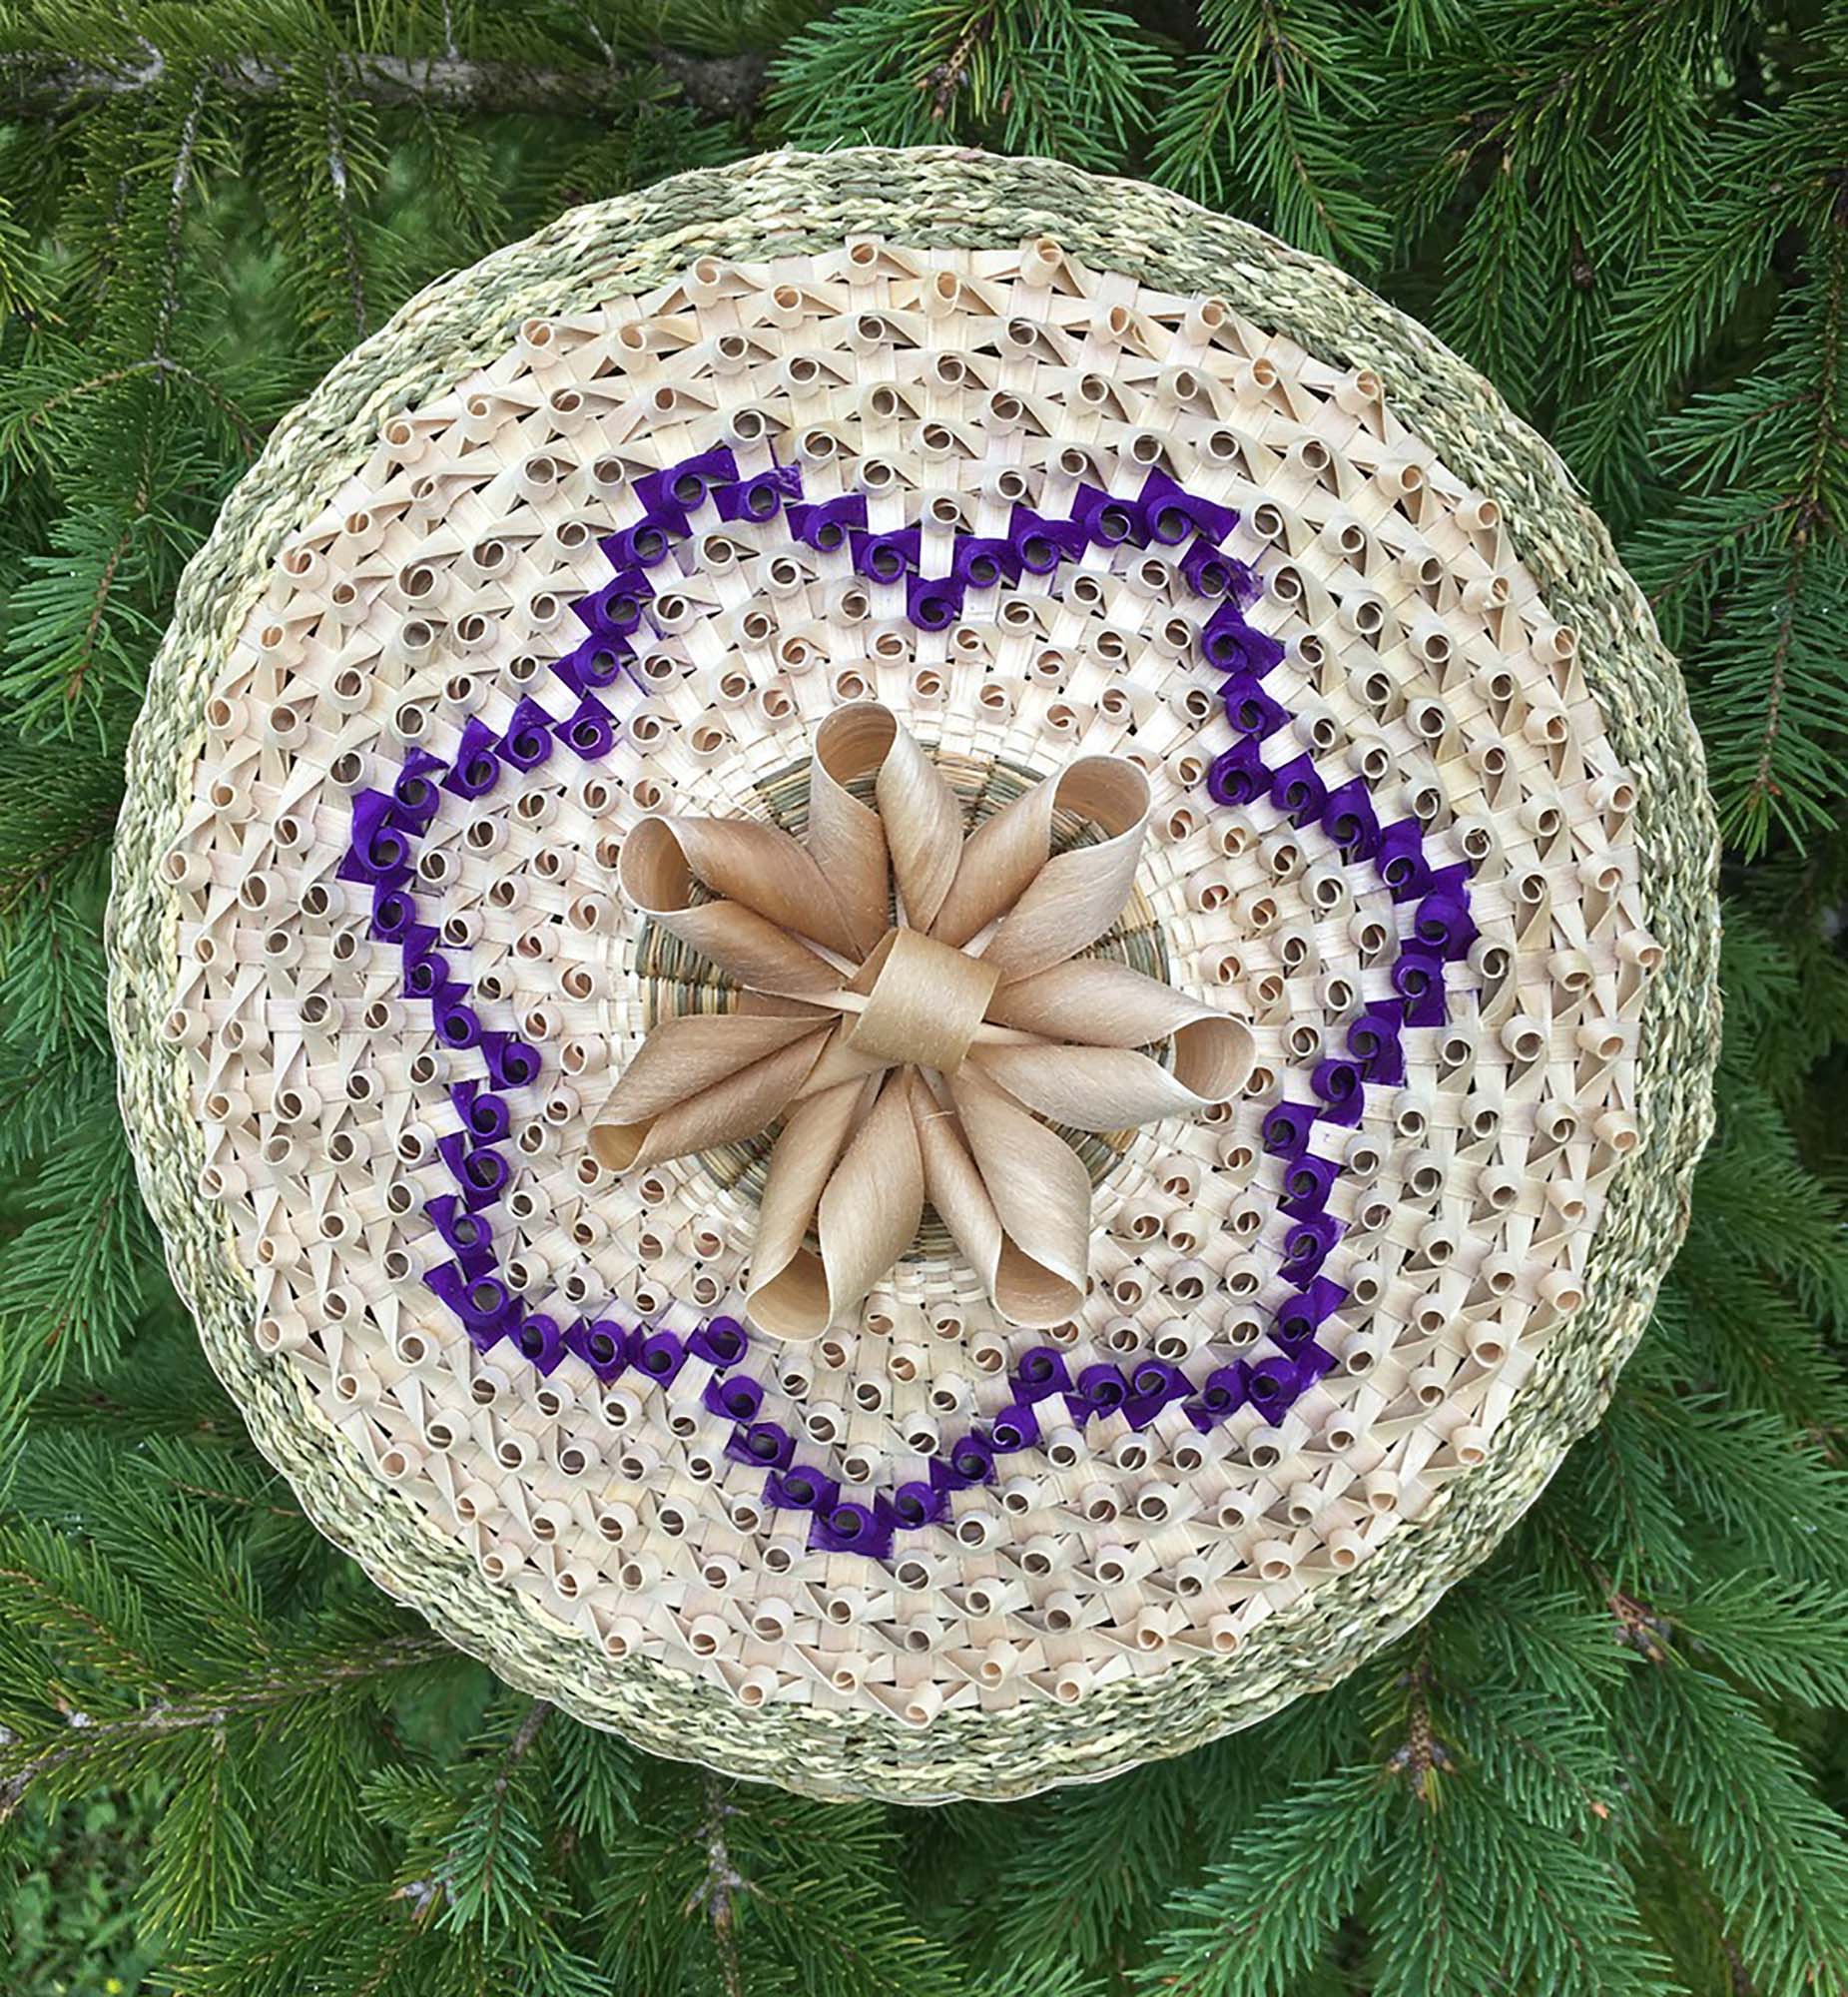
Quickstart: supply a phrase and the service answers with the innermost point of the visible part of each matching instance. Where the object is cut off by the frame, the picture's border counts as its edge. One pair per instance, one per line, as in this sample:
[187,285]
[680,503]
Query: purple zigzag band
[385,827]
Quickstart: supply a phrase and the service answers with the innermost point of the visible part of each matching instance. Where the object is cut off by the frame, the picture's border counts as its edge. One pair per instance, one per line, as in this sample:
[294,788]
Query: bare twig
[47,84]
[716,1894]
[175,217]
[526,1733]
[725,85]
[1421,1757]
[350,242]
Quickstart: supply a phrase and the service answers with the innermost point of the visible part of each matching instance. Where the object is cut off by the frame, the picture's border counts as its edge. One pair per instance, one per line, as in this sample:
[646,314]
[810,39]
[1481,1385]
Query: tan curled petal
[869,1212]
[658,879]
[1026,1292]
[841,1061]
[766,1006]
[953,1184]
[999,860]
[924,827]
[1073,899]
[734,1106]
[741,860]
[1041,1196]
[788,1287]
[683,1057]
[1090,1088]
[1102,1004]
[846,837]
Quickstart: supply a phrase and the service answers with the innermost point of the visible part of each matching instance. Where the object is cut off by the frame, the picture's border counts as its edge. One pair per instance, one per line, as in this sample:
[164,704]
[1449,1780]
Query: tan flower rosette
[905,1058]
[914,963]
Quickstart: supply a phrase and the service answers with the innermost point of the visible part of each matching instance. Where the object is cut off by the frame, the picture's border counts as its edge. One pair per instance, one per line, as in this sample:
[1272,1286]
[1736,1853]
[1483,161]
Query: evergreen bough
[1612,1762]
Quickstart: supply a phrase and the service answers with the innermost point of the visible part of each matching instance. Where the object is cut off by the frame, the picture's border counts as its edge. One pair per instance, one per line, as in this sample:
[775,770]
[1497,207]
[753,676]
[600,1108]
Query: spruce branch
[1611,1741]
[44,1095]
[1036,76]
[204,1848]
[1750,571]
[111,1639]
[1770,1849]
[1542,148]
[1693,1891]
[1270,119]
[360,1935]
[1119,1853]
[1421,1756]
[113,1744]
[77,1273]
[18,288]
[29,418]
[497,1861]
[85,658]
[241,1499]
[1261,1917]
[595,1779]
[58,804]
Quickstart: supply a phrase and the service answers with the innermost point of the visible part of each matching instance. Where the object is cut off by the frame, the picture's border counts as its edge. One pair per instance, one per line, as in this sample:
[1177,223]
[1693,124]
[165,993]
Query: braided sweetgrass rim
[934,196]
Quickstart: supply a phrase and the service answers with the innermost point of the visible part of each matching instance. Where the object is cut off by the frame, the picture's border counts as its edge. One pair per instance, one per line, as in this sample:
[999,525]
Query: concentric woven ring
[925,1719]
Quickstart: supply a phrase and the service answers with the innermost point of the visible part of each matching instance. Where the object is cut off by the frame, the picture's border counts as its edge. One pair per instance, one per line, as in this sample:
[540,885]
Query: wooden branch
[43,84]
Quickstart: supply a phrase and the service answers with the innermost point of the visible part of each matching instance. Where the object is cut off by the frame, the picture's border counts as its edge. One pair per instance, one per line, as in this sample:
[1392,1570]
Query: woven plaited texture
[796,206]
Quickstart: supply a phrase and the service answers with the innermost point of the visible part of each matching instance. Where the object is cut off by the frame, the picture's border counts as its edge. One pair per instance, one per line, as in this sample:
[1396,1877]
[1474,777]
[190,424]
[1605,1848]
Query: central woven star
[912,1004]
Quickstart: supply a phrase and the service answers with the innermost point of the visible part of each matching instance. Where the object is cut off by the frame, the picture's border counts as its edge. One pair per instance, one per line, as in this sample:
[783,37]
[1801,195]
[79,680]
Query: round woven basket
[1178,412]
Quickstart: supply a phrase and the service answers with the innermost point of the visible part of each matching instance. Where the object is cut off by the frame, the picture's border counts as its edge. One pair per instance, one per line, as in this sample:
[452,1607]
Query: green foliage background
[1614,1760]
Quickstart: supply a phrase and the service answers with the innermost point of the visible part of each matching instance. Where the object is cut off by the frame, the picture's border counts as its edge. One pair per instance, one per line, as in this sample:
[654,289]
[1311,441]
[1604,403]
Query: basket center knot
[923,1002]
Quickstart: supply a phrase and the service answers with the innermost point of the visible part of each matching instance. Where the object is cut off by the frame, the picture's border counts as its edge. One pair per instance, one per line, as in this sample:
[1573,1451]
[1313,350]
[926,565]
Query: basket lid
[914,960]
